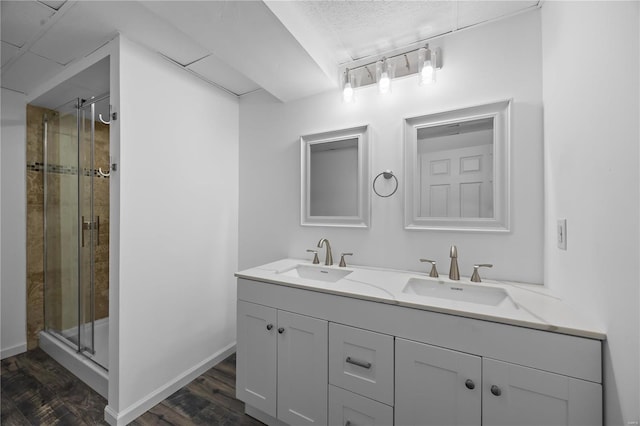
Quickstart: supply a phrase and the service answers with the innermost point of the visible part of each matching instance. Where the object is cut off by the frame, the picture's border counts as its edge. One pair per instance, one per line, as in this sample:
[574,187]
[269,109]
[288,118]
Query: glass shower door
[69,225]
[60,170]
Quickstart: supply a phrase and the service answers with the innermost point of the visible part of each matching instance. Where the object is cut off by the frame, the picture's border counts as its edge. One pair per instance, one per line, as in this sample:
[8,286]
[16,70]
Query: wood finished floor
[36,390]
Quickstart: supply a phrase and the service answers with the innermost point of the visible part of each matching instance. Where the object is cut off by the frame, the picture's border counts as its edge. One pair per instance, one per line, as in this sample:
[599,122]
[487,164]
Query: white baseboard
[135,410]
[13,350]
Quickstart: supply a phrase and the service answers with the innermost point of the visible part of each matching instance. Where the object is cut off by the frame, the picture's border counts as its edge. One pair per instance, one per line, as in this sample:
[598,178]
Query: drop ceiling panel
[8,50]
[475,12]
[248,37]
[29,71]
[75,35]
[21,20]
[217,71]
[88,25]
[137,23]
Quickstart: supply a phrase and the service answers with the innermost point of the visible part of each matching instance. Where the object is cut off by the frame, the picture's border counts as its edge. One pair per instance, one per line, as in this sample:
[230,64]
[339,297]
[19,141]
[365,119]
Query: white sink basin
[453,291]
[316,272]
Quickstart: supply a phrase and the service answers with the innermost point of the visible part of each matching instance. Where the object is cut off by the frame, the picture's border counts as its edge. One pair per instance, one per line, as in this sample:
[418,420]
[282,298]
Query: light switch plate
[561,234]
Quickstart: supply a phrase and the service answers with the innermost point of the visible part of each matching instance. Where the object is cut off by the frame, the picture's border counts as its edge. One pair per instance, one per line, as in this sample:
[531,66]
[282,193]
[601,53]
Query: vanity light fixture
[423,61]
[348,94]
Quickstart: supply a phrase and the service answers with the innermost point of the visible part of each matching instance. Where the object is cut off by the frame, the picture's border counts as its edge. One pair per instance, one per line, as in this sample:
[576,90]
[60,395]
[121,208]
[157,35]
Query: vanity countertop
[526,305]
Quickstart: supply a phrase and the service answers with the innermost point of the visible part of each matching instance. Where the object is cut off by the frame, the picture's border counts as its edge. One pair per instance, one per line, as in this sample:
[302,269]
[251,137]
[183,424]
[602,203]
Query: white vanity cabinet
[437,386]
[345,360]
[282,364]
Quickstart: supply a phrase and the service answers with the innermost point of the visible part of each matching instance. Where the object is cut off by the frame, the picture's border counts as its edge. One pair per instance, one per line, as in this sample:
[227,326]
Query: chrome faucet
[329,258]
[454,273]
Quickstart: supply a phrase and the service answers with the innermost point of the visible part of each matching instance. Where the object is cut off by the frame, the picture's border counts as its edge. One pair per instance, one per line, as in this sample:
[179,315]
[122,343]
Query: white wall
[13,232]
[178,204]
[489,63]
[591,116]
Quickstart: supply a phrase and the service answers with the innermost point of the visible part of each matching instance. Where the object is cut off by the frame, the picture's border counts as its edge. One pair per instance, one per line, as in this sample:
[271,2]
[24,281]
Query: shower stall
[76,170]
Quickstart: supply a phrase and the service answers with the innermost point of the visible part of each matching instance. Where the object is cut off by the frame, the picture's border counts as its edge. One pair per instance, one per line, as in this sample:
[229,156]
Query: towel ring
[388,174]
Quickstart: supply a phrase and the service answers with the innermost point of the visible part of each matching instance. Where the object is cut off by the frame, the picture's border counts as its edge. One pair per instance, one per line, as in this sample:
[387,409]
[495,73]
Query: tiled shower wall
[62,315]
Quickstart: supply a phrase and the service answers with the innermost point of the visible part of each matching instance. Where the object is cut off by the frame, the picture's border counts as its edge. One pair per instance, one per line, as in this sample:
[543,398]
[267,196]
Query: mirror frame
[501,113]
[362,219]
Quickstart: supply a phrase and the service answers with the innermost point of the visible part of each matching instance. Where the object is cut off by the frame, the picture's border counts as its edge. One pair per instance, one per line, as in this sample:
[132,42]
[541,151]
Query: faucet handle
[343,264]
[453,253]
[475,277]
[315,256]
[434,271]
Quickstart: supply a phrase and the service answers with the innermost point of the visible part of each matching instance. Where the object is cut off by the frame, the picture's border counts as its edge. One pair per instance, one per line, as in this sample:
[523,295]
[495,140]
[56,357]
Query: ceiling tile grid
[214,69]
[22,20]
[29,69]
[8,50]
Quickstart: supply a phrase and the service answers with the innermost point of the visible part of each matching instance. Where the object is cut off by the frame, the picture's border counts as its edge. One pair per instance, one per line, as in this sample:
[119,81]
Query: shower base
[86,367]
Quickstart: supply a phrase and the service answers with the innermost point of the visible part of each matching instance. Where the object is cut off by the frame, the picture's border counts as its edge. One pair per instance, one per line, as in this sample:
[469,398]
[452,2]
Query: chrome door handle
[359,363]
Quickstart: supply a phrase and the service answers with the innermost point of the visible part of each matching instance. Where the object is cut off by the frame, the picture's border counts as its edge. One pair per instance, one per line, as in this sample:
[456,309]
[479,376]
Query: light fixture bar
[404,63]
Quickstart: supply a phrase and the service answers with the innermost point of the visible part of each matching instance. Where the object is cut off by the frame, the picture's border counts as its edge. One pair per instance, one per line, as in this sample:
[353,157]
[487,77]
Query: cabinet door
[436,386]
[515,395]
[302,369]
[256,356]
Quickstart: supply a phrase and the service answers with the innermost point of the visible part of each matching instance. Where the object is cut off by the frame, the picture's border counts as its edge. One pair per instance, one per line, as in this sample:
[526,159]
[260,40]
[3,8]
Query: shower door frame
[81,344]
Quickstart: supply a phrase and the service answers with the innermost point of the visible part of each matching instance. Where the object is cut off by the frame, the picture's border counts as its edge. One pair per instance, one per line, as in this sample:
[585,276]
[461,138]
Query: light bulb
[384,75]
[385,83]
[426,66]
[427,74]
[347,93]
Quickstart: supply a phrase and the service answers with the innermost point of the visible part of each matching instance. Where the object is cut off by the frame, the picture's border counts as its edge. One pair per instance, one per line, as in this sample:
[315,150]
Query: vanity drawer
[350,409]
[361,361]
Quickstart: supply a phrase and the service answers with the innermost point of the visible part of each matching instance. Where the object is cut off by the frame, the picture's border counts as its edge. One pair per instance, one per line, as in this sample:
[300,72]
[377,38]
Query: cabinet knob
[469,384]
[496,390]
[269,326]
[347,423]
[281,330]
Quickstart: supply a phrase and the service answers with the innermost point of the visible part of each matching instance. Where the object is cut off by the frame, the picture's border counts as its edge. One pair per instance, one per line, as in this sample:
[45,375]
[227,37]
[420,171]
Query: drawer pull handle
[281,330]
[269,327]
[496,390]
[362,364]
[469,384]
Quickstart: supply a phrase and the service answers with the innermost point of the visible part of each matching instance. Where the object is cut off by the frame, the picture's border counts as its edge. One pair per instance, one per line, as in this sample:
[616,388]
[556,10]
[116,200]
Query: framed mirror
[334,176]
[457,169]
